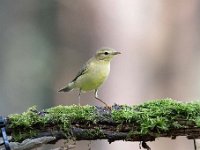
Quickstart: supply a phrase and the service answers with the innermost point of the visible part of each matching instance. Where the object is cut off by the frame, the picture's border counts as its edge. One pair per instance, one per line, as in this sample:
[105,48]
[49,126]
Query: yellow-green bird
[93,73]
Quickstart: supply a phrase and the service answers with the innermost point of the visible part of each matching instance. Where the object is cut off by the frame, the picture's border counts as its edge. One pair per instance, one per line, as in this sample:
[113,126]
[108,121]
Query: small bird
[93,73]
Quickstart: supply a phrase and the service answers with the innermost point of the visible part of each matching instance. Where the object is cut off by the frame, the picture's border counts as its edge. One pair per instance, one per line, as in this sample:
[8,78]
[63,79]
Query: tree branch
[146,122]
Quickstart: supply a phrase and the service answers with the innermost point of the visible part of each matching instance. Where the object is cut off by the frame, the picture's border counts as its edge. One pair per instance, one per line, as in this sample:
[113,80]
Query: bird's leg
[79,98]
[96,96]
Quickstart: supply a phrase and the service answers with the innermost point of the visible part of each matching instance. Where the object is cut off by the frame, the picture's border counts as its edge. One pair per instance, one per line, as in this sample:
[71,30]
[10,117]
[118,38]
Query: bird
[93,73]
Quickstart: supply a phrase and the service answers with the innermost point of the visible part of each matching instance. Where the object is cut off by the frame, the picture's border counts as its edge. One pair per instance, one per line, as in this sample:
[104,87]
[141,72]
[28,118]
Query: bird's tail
[68,88]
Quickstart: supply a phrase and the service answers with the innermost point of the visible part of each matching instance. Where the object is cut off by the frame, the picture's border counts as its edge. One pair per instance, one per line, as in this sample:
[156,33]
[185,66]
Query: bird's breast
[96,75]
[101,70]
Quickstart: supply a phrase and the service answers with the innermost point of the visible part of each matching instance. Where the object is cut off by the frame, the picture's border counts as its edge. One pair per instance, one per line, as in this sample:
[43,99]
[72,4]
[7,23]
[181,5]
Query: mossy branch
[145,122]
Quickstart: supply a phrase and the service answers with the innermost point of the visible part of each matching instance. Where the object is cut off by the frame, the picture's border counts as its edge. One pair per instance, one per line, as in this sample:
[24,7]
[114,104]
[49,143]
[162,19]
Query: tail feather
[68,88]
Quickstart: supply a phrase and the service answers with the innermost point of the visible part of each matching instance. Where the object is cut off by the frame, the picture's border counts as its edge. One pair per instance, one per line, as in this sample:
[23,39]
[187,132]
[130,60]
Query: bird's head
[106,54]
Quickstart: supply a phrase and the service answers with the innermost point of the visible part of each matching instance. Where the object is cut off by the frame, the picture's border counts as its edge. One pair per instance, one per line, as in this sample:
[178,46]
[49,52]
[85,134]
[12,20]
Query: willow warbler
[93,73]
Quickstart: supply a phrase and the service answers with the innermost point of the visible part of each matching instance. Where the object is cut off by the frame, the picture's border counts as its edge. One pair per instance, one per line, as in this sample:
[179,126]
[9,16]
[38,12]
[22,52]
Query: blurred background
[44,43]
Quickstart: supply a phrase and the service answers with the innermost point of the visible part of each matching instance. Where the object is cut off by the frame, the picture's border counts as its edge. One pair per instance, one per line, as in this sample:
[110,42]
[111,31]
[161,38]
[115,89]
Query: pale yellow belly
[93,78]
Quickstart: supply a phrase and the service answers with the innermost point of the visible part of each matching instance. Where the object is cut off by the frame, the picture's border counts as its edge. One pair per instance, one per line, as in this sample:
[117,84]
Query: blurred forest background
[44,43]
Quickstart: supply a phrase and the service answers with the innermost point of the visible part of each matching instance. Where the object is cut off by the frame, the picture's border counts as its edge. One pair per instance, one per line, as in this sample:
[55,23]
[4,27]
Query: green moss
[19,136]
[159,116]
[26,119]
[65,115]
[62,116]
[151,118]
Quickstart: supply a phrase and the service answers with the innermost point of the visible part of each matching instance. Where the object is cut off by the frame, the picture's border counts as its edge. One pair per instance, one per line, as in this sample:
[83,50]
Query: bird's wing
[82,71]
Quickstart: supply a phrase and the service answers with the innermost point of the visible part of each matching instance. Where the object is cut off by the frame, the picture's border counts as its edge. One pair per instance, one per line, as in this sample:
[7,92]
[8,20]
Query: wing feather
[82,71]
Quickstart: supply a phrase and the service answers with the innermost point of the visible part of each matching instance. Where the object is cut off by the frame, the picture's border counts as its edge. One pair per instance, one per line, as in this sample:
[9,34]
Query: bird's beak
[116,53]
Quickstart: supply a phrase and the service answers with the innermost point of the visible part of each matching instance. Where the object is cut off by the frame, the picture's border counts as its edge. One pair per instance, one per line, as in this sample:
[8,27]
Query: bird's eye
[106,53]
